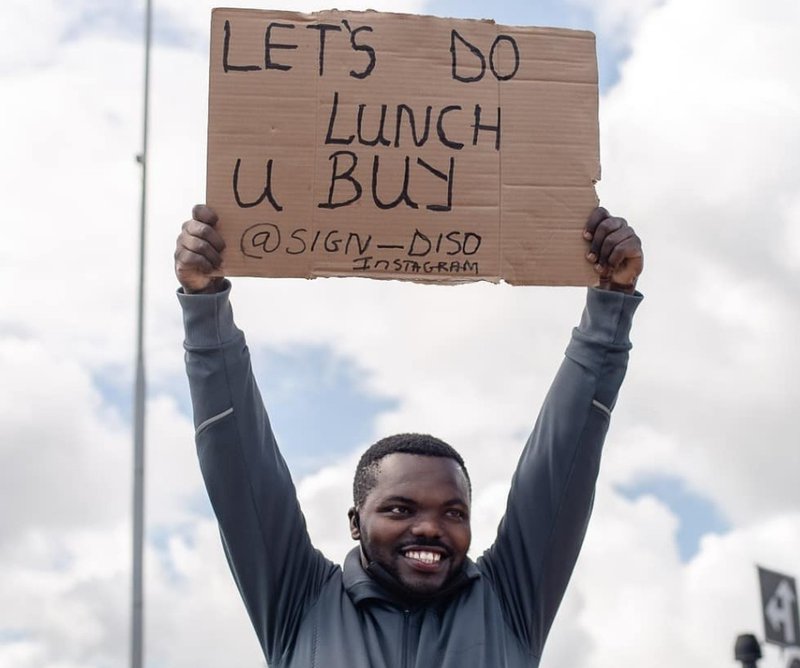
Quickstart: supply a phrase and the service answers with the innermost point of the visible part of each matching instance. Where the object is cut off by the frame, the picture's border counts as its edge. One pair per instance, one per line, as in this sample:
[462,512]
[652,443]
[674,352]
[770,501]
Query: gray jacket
[310,612]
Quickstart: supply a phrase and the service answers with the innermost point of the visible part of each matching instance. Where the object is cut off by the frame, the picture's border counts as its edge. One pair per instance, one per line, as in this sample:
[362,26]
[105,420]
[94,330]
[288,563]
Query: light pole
[137,589]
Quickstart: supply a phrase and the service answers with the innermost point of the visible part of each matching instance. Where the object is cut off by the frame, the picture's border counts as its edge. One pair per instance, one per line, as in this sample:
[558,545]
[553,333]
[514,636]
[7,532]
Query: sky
[700,150]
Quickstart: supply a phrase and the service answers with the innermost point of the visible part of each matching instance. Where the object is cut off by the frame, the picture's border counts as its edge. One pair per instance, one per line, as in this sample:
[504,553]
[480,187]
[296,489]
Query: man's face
[415,520]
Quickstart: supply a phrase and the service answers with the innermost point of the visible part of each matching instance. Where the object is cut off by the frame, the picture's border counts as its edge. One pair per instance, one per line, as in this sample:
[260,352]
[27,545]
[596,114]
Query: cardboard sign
[401,146]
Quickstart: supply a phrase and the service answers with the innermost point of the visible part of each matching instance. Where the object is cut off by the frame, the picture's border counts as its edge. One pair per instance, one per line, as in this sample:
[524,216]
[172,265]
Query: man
[408,595]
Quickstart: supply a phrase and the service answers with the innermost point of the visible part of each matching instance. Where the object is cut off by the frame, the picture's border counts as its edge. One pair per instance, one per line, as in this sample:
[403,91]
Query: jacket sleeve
[552,490]
[277,570]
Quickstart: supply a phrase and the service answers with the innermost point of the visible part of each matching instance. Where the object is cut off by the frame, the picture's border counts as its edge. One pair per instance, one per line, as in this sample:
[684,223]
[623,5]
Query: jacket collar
[377,583]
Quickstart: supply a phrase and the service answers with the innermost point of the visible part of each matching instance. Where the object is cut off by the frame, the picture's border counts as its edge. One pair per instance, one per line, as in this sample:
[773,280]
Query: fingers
[198,249]
[596,217]
[611,243]
[627,249]
[599,227]
[614,248]
[604,233]
[187,261]
[196,230]
[205,214]
[200,237]
[201,247]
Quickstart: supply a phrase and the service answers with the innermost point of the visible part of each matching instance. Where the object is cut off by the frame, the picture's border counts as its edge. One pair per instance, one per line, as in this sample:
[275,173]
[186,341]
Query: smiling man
[407,596]
[411,514]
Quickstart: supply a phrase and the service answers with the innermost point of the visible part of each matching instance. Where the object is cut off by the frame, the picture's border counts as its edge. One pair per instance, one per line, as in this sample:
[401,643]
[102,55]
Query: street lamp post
[137,584]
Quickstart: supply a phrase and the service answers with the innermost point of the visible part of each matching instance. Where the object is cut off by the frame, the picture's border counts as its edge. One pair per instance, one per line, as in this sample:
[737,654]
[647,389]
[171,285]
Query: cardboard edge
[313,275]
[579,33]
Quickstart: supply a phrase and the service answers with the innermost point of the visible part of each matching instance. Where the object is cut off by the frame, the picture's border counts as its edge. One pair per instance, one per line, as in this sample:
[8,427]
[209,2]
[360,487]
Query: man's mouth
[424,557]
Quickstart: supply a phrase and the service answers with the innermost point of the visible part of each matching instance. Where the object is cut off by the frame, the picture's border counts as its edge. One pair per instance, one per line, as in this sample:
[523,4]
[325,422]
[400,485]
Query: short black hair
[411,444]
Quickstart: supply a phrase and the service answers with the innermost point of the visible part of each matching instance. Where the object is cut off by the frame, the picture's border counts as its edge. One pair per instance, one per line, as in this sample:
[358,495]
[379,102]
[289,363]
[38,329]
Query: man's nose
[428,527]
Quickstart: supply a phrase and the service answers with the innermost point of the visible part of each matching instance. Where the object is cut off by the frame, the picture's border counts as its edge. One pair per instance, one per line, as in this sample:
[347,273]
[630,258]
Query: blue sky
[544,13]
[697,515]
[319,405]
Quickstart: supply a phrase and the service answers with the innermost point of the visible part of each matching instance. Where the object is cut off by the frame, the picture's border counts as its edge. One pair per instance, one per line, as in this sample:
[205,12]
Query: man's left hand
[615,251]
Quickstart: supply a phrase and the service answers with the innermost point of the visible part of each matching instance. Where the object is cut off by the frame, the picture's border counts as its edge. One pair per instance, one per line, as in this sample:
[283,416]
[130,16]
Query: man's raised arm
[552,491]
[276,568]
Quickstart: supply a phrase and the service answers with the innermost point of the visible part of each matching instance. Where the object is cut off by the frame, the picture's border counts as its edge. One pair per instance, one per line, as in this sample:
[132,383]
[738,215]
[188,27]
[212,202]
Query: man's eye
[399,510]
[457,514]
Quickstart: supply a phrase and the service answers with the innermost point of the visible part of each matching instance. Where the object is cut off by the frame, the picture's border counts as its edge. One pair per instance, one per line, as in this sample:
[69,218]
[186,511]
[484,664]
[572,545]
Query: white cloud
[58,443]
[30,33]
[194,615]
[74,184]
[696,137]
[641,606]
[619,19]
[791,241]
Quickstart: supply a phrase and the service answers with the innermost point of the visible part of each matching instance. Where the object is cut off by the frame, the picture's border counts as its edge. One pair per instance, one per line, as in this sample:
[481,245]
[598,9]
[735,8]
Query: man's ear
[355,528]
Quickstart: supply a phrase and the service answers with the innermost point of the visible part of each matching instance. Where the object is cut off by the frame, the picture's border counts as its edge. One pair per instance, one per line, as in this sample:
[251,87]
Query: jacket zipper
[404,658]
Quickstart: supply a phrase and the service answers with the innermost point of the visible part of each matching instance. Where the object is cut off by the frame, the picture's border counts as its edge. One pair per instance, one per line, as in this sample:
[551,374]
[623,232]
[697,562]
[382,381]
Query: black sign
[779,605]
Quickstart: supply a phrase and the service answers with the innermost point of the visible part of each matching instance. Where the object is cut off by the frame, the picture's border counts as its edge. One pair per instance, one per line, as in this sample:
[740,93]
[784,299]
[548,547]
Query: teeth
[424,556]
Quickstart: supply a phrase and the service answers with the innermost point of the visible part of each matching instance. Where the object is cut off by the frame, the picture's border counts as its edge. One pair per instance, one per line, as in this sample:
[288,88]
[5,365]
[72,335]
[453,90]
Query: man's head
[411,514]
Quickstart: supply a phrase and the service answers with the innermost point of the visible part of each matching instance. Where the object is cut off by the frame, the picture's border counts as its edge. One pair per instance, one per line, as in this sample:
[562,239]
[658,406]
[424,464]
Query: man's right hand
[198,252]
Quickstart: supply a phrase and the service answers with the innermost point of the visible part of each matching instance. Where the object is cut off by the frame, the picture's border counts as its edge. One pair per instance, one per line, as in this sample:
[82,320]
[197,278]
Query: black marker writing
[226,47]
[406,266]
[366,48]
[492,128]
[323,28]
[272,42]
[263,239]
[345,176]
[454,243]
[461,45]
[266,194]
[269,45]
[259,240]
[346,130]
[402,197]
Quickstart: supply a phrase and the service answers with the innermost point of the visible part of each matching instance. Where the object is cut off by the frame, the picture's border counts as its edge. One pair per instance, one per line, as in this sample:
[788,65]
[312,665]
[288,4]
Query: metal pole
[137,613]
